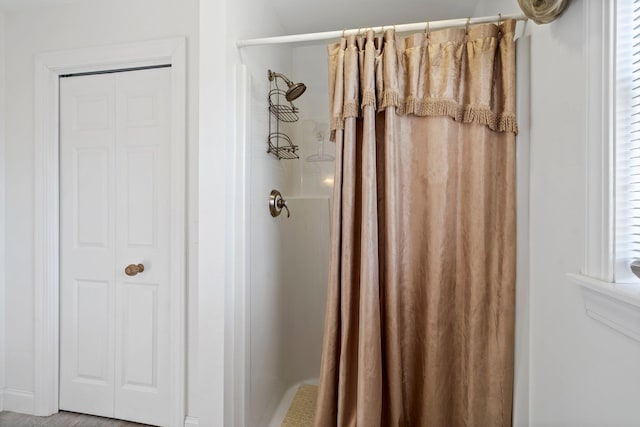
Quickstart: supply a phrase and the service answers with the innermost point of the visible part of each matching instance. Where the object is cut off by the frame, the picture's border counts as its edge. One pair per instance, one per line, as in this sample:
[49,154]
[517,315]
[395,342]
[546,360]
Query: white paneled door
[115,175]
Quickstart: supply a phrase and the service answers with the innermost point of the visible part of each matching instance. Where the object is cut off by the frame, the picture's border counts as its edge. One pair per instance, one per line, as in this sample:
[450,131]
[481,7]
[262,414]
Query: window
[611,291]
[627,140]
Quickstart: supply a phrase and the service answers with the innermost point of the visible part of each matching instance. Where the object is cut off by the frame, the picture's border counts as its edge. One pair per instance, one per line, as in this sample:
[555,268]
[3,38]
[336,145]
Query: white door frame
[48,68]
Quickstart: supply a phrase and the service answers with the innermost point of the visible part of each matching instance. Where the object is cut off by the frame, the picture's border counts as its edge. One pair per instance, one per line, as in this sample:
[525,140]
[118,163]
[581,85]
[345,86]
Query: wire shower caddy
[280,110]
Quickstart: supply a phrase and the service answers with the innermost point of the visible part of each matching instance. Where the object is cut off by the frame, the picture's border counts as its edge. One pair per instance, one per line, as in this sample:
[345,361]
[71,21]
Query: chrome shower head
[295,89]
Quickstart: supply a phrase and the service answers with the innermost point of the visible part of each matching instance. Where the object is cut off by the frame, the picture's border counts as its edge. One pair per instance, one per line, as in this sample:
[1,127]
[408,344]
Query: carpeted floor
[303,407]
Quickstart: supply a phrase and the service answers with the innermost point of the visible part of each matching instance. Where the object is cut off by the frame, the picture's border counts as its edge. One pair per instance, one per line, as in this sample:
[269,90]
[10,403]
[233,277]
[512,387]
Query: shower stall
[287,257]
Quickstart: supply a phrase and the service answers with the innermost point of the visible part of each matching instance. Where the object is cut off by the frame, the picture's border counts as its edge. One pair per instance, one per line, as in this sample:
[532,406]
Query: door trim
[48,67]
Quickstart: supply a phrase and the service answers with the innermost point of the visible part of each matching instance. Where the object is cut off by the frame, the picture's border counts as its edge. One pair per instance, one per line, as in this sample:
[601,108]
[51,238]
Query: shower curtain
[419,327]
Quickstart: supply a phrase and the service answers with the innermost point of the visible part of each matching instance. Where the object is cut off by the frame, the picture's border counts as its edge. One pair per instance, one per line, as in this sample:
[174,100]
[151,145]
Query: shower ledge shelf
[617,305]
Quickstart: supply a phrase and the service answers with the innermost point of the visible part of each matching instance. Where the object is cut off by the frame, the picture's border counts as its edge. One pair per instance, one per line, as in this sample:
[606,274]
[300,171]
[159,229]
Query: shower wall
[288,257]
[313,178]
[265,383]
[306,234]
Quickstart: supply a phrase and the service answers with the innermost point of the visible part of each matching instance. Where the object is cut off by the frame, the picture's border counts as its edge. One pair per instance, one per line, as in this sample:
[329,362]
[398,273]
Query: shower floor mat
[303,407]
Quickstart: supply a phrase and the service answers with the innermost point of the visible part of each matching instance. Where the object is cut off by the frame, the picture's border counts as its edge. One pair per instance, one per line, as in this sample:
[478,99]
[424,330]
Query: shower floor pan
[297,406]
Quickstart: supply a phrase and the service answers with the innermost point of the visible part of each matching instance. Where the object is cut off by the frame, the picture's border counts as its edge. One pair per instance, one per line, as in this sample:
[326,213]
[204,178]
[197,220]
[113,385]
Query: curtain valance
[467,74]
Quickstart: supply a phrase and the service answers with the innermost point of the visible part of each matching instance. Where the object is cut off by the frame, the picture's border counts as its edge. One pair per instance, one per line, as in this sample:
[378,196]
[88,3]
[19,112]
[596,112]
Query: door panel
[115,204]
[87,244]
[141,197]
[92,196]
[142,236]
[91,324]
[140,370]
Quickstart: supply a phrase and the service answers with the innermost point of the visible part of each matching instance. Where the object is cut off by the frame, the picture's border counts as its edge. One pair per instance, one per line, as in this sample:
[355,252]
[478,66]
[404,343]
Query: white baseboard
[191,421]
[19,401]
[22,402]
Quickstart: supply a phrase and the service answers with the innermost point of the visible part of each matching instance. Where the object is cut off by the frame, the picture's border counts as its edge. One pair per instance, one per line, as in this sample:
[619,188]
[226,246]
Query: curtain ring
[466,27]
[343,30]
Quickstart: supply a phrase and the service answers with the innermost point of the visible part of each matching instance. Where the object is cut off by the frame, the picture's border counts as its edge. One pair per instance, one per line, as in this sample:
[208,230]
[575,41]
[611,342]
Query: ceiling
[304,16]
[25,4]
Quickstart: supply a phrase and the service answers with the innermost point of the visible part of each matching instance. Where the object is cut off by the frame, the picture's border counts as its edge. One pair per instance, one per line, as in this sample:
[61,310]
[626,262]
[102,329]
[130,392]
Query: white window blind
[627,146]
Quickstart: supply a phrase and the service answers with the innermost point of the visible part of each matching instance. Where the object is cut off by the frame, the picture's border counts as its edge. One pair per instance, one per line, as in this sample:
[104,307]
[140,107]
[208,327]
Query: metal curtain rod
[418,26]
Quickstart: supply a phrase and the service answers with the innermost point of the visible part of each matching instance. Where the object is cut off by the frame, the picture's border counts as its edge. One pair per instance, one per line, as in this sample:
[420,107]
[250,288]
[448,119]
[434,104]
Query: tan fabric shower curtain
[419,327]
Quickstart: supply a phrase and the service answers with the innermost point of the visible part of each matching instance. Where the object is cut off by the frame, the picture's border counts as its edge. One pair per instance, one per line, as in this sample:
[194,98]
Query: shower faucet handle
[283,204]
[277,203]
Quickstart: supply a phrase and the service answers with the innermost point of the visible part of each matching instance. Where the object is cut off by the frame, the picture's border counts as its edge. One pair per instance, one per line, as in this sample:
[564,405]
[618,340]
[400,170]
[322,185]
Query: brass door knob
[133,269]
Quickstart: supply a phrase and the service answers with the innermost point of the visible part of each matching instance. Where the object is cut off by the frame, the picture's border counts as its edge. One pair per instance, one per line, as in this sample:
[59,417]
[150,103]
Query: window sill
[617,305]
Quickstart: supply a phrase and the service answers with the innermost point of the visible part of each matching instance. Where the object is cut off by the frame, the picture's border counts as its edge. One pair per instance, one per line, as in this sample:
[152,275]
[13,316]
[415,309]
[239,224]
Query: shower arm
[273,75]
[295,89]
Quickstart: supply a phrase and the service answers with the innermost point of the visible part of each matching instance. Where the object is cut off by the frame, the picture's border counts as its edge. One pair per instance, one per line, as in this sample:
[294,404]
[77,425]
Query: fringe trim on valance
[337,123]
[369,99]
[502,122]
[431,107]
[507,123]
[480,115]
[390,99]
[350,109]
